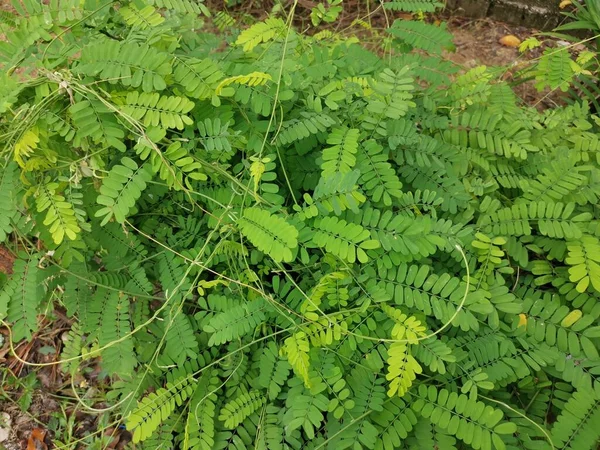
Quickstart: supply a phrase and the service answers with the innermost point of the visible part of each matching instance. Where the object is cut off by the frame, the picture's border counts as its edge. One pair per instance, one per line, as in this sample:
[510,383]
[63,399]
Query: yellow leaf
[510,41]
[257,168]
[564,4]
[571,318]
[252,79]
[522,320]
[26,146]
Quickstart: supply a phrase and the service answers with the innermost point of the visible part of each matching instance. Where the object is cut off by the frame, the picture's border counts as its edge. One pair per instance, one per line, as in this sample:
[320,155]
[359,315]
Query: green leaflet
[235,322]
[235,411]
[578,425]
[456,413]
[346,240]
[422,35]
[199,77]
[141,18]
[413,5]
[269,233]
[121,189]
[156,110]
[60,217]
[340,157]
[260,32]
[182,6]
[584,257]
[7,201]
[127,63]
[157,407]
[200,424]
[20,297]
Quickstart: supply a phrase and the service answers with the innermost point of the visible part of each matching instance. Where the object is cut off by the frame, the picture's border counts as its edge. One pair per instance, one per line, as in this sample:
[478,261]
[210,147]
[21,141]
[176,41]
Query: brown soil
[477,43]
[22,423]
[6,260]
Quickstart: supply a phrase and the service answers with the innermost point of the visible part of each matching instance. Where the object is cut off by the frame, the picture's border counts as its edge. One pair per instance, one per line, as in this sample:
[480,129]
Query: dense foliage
[280,241]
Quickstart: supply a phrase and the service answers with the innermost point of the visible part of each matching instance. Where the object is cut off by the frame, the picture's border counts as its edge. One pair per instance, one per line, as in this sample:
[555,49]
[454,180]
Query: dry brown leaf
[564,4]
[510,41]
[36,440]
[113,434]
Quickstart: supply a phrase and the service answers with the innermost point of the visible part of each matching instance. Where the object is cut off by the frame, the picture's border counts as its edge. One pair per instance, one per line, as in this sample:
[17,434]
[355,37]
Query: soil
[6,260]
[477,43]
[20,425]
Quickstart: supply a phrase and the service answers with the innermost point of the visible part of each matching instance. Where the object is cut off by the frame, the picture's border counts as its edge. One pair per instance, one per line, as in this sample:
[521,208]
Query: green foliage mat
[278,241]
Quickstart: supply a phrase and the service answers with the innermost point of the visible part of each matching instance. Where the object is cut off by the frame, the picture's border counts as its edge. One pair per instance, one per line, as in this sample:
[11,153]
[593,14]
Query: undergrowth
[279,241]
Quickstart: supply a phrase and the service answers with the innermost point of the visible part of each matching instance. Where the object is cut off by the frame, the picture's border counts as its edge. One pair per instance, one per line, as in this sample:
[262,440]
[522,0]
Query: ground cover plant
[269,239]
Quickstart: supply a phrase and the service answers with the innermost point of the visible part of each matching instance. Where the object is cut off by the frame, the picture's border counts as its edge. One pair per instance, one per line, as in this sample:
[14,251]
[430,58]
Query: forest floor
[31,398]
[477,42]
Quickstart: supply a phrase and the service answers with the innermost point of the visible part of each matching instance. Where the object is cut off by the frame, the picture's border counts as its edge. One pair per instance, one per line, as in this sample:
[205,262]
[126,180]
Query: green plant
[293,243]
[572,66]
[328,14]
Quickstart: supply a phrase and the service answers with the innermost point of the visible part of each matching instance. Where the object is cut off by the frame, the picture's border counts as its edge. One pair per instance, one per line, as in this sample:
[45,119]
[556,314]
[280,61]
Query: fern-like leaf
[296,348]
[127,63]
[461,413]
[335,193]
[251,79]
[378,177]
[274,371]
[556,182]
[346,240]
[144,18]
[72,346]
[119,357]
[200,424]
[155,110]
[180,339]
[21,296]
[155,408]
[308,124]
[396,421]
[234,412]
[403,367]
[421,35]
[584,257]
[554,220]
[341,156]
[577,427]
[93,119]
[269,233]
[121,189]
[391,99]
[236,322]
[8,203]
[193,7]
[413,5]
[555,70]
[199,77]
[175,165]
[261,32]
[60,218]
